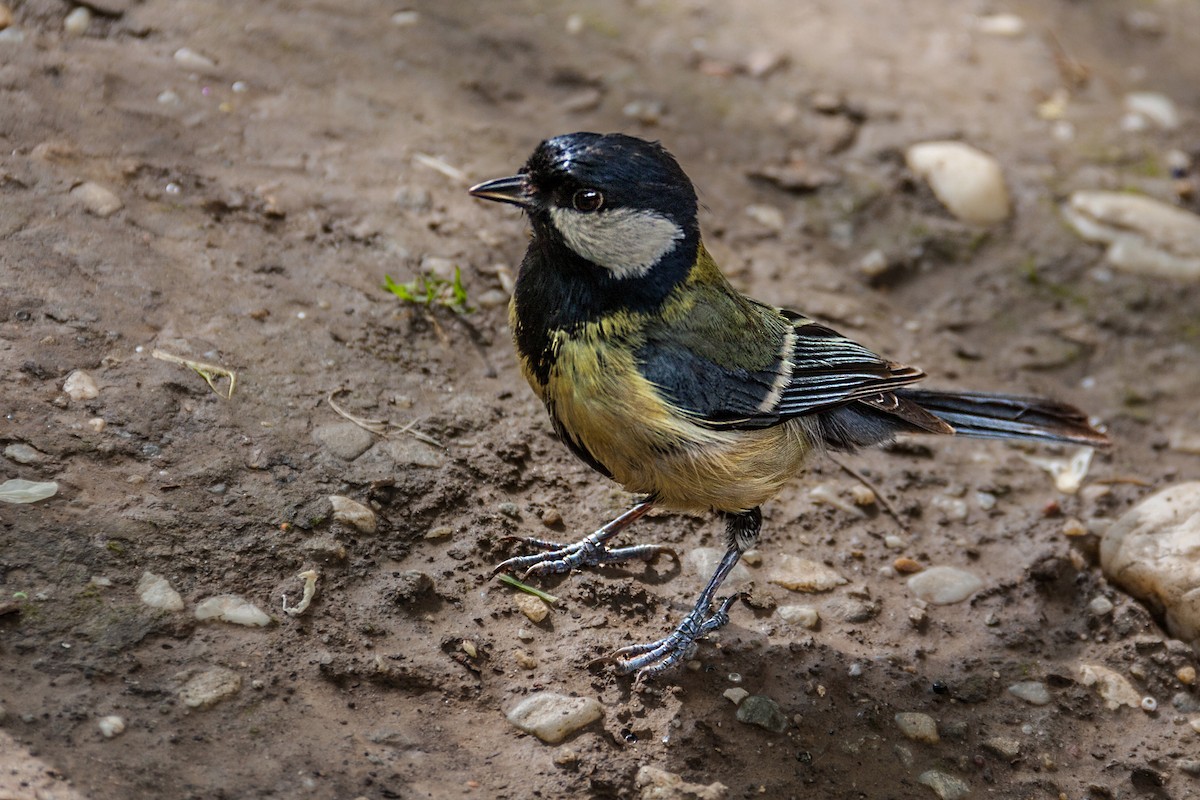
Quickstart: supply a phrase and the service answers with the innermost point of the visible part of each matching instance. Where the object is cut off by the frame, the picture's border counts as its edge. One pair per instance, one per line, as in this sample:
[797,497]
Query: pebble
[1144,236]
[409,586]
[23,454]
[862,495]
[1003,746]
[702,561]
[985,500]
[1033,692]
[524,660]
[1074,527]
[804,616]
[894,542]
[97,199]
[951,508]
[6,16]
[906,566]
[735,695]
[345,440]
[210,687]
[553,717]
[79,385]
[756,709]
[353,513]
[1009,25]
[1182,441]
[947,787]
[156,592]
[944,585]
[1154,107]
[1194,724]
[1114,687]
[802,575]
[405,19]
[534,608]
[1153,552]
[1186,675]
[1100,606]
[966,180]
[658,784]
[111,726]
[551,518]
[189,59]
[829,495]
[917,726]
[232,608]
[770,217]
[19,490]
[77,22]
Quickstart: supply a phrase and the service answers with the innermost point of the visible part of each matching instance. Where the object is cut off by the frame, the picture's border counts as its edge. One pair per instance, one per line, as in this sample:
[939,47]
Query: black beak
[504,190]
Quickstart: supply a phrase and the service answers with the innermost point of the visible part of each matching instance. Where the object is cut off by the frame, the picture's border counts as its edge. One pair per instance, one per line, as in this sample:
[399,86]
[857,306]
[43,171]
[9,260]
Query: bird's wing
[764,366]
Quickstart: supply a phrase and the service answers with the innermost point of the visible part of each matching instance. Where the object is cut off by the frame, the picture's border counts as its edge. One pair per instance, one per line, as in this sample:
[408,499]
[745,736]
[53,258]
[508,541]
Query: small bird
[658,374]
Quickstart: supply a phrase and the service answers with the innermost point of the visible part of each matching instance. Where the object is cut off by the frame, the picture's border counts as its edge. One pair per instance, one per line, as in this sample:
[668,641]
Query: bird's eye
[587,200]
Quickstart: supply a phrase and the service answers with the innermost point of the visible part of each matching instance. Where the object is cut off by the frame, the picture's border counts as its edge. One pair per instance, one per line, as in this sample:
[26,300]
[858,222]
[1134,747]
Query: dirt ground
[265,195]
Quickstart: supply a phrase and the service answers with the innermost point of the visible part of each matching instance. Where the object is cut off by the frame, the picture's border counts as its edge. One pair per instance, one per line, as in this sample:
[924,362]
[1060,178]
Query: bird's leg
[588,552]
[654,657]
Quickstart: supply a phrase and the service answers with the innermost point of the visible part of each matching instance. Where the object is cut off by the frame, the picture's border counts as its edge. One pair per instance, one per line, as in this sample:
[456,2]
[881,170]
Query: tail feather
[1004,416]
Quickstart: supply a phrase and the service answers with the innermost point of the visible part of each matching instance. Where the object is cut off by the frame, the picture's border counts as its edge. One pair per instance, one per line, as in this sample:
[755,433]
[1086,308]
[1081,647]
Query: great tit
[661,376]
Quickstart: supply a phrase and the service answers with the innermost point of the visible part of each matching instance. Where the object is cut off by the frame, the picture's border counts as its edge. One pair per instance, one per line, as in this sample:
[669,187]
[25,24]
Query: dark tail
[1006,416]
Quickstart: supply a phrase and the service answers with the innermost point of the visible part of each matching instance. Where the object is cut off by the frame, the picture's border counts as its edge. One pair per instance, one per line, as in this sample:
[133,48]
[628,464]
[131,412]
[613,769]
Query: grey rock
[763,712]
[345,440]
[553,717]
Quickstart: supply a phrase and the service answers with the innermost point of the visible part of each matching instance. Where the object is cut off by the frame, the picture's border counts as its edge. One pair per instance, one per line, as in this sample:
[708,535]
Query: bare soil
[258,223]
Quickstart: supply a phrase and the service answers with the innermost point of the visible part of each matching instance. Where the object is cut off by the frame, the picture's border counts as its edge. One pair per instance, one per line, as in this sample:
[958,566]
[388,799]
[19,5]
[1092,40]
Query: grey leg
[654,657]
[588,552]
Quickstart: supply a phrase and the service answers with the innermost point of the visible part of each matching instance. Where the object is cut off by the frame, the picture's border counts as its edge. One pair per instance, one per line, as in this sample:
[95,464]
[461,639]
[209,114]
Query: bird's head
[619,202]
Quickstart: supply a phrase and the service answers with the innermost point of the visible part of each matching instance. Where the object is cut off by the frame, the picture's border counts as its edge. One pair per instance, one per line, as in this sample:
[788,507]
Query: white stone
[801,575]
[1144,235]
[1100,606]
[156,592]
[77,22]
[1033,692]
[804,616]
[967,181]
[917,726]
[97,199]
[353,513]
[1153,552]
[19,490]
[658,784]
[111,726]
[703,561]
[553,717]
[79,385]
[1114,687]
[190,59]
[1001,25]
[735,695]
[1157,108]
[210,687]
[944,585]
[233,609]
[946,787]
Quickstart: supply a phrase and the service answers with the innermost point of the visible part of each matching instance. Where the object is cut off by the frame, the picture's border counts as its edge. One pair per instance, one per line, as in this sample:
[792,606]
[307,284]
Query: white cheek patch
[624,241]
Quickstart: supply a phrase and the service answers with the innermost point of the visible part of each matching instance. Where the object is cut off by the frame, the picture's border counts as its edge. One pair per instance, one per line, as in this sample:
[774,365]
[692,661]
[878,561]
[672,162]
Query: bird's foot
[589,552]
[649,659]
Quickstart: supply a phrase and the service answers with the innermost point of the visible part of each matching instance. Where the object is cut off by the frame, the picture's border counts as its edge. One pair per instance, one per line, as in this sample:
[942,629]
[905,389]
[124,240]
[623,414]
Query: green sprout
[431,291]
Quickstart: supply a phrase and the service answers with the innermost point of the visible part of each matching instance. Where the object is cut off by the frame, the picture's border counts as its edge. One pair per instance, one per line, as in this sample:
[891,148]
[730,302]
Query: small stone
[917,726]
[804,616]
[967,181]
[410,586]
[97,199]
[23,454]
[985,500]
[156,592]
[77,22]
[1074,528]
[1100,606]
[862,495]
[951,508]
[97,424]
[1186,675]
[1194,724]
[533,607]
[524,660]
[551,518]
[1153,552]
[353,513]
[946,787]
[1157,108]
[1008,25]
[658,784]
[439,532]
[1114,687]
[894,542]
[735,695]
[770,217]
[801,575]
[1183,441]
[344,440]
[852,610]
[405,19]
[79,385]
[6,16]
[906,566]
[565,757]
[210,687]
[190,59]
[233,609]
[111,726]
[944,585]
[510,510]
[1003,746]
[1035,693]
[1144,236]
[703,561]
[762,711]
[1190,766]
[1149,704]
[553,717]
